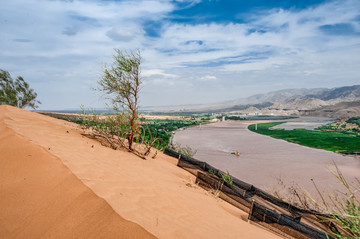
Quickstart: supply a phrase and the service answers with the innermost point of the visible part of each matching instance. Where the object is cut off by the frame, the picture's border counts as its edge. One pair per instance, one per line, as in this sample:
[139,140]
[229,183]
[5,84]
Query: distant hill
[340,110]
[317,101]
[346,93]
[281,96]
[298,102]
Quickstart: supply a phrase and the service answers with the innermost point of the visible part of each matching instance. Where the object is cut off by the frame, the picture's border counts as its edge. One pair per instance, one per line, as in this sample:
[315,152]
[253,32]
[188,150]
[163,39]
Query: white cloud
[124,34]
[52,42]
[207,78]
[157,72]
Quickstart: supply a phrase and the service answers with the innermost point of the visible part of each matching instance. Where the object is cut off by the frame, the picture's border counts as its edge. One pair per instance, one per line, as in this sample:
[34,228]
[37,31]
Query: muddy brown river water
[264,160]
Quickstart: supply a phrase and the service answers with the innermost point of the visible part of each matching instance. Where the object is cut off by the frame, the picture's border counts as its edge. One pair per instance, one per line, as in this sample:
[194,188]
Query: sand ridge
[153,193]
[42,198]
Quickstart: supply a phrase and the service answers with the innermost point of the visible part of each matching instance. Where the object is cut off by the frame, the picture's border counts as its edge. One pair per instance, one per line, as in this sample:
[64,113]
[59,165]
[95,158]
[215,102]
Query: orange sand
[40,197]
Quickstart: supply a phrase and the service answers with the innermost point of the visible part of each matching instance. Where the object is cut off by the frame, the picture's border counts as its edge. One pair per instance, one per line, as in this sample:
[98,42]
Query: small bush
[226,177]
[211,171]
[185,150]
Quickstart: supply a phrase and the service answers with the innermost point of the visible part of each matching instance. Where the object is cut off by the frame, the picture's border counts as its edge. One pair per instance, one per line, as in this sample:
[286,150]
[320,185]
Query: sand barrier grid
[262,208]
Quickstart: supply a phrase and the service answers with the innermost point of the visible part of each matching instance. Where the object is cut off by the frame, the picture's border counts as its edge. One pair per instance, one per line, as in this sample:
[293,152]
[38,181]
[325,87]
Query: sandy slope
[41,198]
[153,193]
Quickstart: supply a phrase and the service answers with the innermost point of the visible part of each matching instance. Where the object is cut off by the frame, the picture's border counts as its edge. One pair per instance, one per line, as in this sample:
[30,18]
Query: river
[264,161]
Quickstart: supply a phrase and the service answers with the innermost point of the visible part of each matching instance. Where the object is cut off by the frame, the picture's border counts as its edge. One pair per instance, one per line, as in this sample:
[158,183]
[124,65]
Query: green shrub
[185,150]
[226,177]
[211,171]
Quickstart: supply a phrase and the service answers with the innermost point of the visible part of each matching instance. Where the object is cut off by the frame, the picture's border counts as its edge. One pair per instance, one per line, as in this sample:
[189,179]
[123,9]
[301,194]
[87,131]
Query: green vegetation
[211,171]
[226,177]
[149,130]
[185,150]
[346,211]
[121,83]
[354,120]
[163,129]
[350,126]
[113,129]
[332,141]
[16,92]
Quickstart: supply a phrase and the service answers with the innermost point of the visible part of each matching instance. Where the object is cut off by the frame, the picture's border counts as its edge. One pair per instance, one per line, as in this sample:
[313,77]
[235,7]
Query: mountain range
[317,101]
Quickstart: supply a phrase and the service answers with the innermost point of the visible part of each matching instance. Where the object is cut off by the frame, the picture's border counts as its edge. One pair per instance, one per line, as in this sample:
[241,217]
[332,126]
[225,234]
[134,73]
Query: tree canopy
[121,82]
[16,92]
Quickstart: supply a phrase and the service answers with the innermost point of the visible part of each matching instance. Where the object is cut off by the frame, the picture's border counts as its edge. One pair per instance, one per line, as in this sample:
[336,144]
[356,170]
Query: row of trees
[16,92]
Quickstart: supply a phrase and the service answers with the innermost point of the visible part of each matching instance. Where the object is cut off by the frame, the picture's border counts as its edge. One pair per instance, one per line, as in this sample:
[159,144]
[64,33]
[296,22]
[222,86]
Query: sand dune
[41,198]
[42,160]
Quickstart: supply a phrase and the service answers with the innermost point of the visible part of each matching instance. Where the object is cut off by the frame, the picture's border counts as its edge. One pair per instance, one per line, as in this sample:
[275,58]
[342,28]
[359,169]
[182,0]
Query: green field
[332,141]
[162,129]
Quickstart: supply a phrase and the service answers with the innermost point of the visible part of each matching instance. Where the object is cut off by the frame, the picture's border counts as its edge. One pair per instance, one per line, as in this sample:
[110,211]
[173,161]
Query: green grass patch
[162,129]
[227,178]
[331,141]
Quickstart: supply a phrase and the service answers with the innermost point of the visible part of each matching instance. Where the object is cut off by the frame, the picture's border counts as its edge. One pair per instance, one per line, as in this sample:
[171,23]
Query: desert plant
[185,150]
[16,92]
[343,207]
[114,129]
[226,177]
[211,171]
[121,82]
[147,139]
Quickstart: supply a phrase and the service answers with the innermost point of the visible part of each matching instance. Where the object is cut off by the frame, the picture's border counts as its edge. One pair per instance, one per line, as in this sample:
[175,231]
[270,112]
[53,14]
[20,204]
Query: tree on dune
[121,83]
[16,92]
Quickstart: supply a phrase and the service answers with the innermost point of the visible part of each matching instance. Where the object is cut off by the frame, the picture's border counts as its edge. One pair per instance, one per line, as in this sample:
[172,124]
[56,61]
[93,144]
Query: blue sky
[194,51]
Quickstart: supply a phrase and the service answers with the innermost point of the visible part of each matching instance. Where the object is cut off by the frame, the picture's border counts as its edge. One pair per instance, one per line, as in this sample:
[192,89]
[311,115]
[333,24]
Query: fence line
[282,217]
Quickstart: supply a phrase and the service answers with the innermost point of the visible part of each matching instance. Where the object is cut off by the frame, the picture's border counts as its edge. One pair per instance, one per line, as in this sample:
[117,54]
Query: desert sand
[42,198]
[56,183]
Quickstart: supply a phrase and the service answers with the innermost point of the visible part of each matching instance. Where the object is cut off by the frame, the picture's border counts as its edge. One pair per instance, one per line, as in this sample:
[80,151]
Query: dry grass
[342,206]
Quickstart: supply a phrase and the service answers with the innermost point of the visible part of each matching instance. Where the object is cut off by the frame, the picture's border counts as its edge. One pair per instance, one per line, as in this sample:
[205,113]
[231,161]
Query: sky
[193,51]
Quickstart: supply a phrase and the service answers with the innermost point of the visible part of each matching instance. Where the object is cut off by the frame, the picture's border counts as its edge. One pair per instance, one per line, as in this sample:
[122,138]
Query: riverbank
[265,161]
[342,143]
